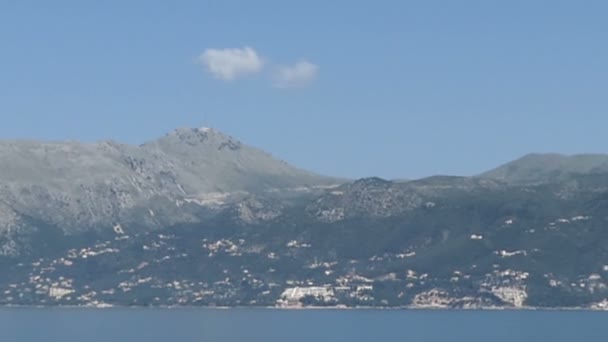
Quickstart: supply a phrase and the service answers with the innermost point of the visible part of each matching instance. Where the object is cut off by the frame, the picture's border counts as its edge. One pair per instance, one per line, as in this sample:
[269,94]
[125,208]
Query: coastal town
[162,270]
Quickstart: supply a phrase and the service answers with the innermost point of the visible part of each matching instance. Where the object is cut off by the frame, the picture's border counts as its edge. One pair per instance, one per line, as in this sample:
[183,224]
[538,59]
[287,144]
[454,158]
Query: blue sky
[397,89]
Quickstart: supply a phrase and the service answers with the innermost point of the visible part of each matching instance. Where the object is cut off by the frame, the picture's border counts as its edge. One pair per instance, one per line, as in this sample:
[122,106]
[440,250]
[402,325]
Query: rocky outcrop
[80,187]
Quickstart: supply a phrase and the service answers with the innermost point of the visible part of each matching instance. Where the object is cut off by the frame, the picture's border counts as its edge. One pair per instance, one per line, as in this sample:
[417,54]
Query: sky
[395,89]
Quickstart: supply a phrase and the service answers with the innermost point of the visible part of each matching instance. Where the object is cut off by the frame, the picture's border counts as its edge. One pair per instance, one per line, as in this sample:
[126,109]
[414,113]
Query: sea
[238,325]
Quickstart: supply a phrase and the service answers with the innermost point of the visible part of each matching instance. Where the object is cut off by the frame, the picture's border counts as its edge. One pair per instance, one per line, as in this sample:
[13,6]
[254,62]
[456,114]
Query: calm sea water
[190,325]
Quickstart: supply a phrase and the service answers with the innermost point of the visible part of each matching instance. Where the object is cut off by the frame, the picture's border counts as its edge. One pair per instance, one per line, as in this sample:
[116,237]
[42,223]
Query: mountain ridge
[196,218]
[544,167]
[82,186]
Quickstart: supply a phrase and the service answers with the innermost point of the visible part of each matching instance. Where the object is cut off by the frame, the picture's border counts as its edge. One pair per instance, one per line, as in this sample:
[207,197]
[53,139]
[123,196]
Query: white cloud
[297,75]
[229,64]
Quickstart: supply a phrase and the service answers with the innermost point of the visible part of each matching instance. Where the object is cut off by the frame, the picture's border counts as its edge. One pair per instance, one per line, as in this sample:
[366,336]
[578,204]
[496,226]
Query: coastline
[307,308]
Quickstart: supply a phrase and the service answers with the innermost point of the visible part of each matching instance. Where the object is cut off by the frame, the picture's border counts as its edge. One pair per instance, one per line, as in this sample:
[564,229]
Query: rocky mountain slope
[79,187]
[535,168]
[191,229]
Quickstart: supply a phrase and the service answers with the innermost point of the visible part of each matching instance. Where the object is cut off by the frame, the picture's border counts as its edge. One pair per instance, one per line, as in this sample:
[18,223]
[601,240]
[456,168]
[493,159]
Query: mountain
[79,187]
[535,168]
[198,219]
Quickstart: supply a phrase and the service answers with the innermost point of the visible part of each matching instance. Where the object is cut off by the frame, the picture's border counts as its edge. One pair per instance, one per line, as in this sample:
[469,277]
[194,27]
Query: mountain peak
[82,185]
[202,129]
[541,167]
[199,137]
[205,129]
[194,131]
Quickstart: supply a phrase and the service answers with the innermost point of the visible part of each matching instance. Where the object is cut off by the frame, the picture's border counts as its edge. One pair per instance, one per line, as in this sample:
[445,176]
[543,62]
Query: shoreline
[307,308]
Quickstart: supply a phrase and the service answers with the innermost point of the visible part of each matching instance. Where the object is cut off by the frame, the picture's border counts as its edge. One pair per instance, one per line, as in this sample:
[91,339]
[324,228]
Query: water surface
[190,325]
